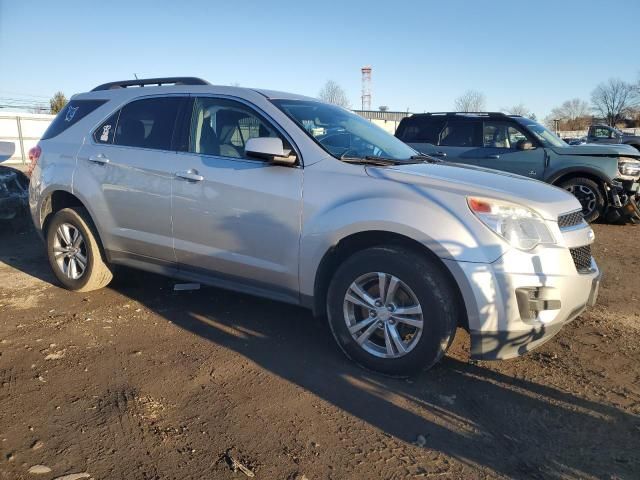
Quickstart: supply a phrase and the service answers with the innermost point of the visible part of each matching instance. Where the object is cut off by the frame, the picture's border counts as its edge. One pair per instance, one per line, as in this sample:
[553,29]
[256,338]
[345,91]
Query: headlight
[628,167]
[520,226]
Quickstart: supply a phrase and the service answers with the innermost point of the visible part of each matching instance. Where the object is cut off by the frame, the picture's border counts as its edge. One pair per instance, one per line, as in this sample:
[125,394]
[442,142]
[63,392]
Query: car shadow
[467,411]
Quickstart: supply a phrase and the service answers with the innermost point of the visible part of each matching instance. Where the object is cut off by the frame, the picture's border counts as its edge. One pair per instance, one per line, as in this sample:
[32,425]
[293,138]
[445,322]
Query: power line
[23,94]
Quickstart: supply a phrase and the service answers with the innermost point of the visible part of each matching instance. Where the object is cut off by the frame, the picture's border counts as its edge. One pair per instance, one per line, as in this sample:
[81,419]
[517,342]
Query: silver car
[289,198]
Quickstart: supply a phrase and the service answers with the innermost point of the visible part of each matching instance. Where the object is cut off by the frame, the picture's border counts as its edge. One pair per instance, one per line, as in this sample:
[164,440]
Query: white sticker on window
[71,112]
[105,133]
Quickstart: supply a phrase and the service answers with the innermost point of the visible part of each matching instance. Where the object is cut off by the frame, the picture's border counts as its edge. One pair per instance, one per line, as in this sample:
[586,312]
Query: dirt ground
[140,382]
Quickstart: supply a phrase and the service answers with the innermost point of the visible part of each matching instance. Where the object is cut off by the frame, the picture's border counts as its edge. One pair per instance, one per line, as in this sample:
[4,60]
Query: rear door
[235,218]
[460,140]
[451,138]
[126,169]
[421,132]
[501,150]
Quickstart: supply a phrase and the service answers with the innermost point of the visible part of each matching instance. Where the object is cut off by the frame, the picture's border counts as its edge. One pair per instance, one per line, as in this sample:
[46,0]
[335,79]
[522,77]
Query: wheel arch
[55,201]
[59,199]
[356,242]
[576,172]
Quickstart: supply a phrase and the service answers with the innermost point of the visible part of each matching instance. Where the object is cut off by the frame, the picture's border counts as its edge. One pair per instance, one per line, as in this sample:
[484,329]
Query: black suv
[603,178]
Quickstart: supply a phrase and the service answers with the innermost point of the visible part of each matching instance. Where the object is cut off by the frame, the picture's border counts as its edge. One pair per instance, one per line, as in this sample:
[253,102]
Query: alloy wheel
[383,315]
[70,251]
[586,196]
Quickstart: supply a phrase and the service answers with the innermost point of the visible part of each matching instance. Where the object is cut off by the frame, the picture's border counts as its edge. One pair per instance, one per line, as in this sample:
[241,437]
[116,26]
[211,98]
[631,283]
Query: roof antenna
[135,76]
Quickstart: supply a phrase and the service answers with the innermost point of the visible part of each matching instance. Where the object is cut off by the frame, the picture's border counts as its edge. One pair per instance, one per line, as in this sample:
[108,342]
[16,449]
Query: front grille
[570,219]
[582,258]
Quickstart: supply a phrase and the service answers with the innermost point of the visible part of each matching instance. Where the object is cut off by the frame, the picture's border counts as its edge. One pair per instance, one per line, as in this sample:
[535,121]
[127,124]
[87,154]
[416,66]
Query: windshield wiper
[425,158]
[371,160]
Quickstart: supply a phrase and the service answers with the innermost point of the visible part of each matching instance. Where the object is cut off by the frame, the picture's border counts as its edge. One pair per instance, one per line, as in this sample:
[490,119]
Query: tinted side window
[73,112]
[105,132]
[461,134]
[148,123]
[498,134]
[222,127]
[601,132]
[421,130]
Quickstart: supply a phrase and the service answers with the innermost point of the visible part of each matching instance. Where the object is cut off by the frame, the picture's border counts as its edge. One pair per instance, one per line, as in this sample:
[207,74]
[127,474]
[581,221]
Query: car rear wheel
[392,310]
[589,195]
[74,253]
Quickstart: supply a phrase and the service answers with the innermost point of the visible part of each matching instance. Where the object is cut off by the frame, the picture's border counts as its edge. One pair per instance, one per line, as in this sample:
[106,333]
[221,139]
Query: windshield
[543,134]
[342,133]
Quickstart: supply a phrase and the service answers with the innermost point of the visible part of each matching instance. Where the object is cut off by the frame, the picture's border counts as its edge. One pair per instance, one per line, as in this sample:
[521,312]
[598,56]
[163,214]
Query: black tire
[96,273]
[430,285]
[589,195]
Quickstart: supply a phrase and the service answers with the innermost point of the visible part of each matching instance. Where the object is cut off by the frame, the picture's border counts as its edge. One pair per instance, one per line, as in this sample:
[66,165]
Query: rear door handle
[190,175]
[99,158]
[439,154]
[495,157]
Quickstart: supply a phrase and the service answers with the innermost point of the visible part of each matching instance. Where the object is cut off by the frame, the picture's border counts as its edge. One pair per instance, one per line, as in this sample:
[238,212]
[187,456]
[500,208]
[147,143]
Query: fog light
[533,300]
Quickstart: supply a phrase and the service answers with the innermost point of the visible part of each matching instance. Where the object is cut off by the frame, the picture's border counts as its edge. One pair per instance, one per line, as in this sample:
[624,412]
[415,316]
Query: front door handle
[99,159]
[190,175]
[439,154]
[495,157]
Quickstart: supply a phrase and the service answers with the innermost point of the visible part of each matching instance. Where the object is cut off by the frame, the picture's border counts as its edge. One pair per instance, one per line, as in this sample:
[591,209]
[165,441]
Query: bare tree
[519,109]
[613,100]
[331,92]
[57,102]
[574,114]
[470,101]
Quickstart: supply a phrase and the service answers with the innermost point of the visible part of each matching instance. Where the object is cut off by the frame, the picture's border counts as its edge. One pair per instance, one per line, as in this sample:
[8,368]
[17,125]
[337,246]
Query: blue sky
[423,53]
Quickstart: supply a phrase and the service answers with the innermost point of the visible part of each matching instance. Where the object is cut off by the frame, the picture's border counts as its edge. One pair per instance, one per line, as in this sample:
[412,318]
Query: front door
[502,150]
[604,135]
[235,218]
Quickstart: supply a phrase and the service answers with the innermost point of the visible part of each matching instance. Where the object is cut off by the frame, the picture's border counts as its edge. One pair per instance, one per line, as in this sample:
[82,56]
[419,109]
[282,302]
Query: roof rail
[151,81]
[453,114]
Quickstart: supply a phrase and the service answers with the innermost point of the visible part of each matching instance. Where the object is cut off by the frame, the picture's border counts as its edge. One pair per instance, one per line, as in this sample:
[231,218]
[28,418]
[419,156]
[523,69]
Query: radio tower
[366,88]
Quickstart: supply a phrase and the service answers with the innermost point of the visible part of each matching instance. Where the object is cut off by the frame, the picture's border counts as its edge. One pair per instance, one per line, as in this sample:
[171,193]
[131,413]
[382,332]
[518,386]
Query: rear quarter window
[72,113]
[105,132]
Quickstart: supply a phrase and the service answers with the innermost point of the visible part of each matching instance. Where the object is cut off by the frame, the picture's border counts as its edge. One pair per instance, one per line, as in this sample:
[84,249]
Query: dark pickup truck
[607,134]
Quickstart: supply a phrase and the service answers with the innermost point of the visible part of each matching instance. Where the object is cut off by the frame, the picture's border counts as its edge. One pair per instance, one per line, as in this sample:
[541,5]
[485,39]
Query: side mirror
[270,149]
[7,149]
[524,145]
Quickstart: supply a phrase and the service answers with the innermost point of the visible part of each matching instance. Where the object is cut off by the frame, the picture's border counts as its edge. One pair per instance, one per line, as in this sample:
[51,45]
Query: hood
[547,200]
[609,150]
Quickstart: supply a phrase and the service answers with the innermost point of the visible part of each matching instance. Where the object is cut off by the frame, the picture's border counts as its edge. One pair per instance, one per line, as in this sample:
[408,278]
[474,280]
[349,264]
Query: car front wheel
[392,310]
[589,195]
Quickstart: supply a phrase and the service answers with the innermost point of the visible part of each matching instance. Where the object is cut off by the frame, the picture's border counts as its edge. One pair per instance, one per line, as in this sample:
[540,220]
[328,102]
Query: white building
[387,120]
[24,130]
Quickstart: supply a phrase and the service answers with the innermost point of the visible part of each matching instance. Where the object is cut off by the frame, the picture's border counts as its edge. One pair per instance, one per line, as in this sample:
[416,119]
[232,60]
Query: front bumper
[631,186]
[500,323]
[626,200]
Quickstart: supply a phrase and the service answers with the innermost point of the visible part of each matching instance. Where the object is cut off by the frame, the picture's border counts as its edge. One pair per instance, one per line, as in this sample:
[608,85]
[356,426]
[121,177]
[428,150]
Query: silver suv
[285,197]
